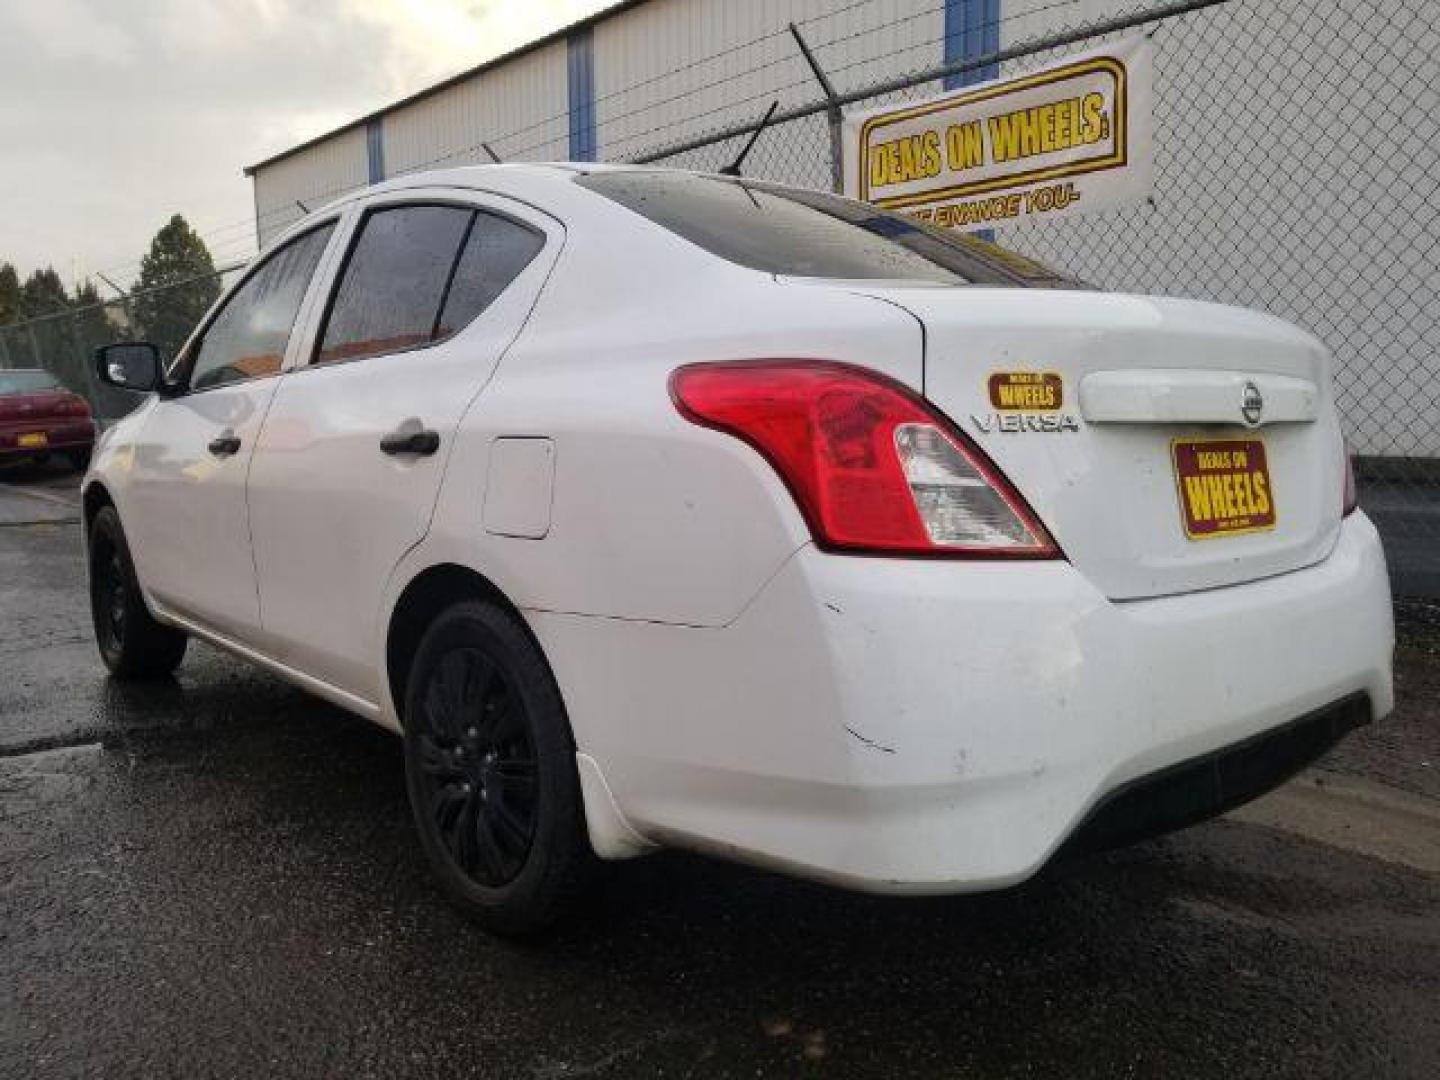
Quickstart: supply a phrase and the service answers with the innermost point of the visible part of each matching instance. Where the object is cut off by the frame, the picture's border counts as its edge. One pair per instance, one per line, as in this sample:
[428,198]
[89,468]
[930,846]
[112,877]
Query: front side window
[419,274]
[248,337]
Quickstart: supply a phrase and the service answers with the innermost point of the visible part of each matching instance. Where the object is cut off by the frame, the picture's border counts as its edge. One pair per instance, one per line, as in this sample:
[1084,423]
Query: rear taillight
[78,406]
[873,467]
[1349,500]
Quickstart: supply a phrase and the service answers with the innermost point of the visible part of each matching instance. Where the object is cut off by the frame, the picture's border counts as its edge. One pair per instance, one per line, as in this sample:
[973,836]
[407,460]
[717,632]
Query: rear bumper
[1203,787]
[59,435]
[908,726]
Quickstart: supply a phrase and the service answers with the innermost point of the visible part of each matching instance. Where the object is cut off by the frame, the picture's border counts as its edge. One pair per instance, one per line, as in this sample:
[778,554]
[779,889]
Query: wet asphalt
[217,877]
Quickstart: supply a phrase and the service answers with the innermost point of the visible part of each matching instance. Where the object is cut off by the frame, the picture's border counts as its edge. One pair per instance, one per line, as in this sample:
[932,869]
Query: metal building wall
[643,76]
[520,108]
[313,177]
[673,69]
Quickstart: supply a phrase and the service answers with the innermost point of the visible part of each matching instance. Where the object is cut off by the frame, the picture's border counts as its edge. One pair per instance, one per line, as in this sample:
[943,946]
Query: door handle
[227,442]
[410,440]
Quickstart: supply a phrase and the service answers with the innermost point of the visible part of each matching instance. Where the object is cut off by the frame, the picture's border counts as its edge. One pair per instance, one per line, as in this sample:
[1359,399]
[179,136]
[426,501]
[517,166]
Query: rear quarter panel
[652,517]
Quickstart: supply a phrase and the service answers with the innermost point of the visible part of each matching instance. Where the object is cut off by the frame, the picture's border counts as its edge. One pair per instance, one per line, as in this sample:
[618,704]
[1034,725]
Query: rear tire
[490,768]
[131,642]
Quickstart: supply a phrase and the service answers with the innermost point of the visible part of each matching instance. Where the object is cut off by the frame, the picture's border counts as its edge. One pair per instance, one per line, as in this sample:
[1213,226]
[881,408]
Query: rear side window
[789,231]
[495,253]
[27,382]
[418,274]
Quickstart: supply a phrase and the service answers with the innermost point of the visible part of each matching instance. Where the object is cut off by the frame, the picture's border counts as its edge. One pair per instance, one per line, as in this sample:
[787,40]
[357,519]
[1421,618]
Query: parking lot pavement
[216,877]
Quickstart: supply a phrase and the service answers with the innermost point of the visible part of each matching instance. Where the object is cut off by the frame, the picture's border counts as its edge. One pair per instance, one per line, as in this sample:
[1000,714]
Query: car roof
[517,179]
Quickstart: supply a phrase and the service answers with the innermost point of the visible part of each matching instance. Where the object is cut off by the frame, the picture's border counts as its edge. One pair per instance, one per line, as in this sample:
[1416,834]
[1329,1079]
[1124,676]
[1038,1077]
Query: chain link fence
[1297,170]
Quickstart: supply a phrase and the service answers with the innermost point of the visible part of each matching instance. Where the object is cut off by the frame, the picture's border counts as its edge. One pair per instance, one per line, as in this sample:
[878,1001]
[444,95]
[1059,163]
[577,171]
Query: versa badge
[1025,401]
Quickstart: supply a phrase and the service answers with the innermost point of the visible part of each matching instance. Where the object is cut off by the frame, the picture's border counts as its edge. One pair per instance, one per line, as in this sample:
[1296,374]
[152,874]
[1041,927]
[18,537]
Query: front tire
[131,642]
[490,768]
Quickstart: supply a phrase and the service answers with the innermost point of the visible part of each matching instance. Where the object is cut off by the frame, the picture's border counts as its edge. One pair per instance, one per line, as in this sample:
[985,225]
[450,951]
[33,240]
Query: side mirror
[130,365]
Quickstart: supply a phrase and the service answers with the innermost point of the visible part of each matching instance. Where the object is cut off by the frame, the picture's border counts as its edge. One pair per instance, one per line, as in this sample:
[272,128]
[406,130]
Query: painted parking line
[44,496]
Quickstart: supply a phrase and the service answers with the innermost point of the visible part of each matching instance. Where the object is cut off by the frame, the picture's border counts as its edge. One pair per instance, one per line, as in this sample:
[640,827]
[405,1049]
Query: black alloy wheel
[479,766]
[490,767]
[133,644]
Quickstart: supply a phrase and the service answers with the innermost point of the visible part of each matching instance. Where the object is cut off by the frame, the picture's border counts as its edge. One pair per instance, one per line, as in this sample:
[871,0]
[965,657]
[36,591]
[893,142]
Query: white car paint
[894,724]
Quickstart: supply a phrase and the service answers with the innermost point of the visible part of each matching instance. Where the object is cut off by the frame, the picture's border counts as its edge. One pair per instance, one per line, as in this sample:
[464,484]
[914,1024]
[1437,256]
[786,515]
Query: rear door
[433,289]
[185,503]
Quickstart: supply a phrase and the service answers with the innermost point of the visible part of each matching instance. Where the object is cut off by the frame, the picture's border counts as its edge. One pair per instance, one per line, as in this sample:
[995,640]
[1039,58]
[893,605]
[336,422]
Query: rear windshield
[27,382]
[784,230]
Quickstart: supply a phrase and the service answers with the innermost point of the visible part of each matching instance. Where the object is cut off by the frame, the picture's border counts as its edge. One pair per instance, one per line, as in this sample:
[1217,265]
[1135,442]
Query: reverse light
[872,466]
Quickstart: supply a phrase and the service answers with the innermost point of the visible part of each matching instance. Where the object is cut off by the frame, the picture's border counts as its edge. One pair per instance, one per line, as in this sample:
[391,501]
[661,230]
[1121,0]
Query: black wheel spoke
[443,801]
[513,833]
[437,761]
[477,760]
[436,712]
[490,853]
[516,775]
[463,841]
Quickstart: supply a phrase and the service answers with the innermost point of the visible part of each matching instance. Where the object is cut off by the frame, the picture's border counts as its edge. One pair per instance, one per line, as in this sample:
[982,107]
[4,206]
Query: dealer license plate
[32,439]
[1224,487]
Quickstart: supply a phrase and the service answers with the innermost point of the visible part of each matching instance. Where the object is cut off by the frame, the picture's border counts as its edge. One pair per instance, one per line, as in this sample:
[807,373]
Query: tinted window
[394,281]
[27,382]
[784,230]
[248,337]
[495,253]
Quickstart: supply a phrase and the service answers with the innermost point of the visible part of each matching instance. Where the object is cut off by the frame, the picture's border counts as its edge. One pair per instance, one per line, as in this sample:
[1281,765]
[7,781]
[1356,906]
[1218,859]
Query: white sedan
[666,509]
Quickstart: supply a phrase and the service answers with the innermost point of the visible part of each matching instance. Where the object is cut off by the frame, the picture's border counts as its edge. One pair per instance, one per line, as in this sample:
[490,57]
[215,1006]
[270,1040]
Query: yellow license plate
[33,439]
[1224,487]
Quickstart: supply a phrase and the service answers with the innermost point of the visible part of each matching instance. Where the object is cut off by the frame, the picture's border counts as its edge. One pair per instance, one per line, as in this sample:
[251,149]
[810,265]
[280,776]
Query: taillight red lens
[1349,500]
[78,406]
[872,466]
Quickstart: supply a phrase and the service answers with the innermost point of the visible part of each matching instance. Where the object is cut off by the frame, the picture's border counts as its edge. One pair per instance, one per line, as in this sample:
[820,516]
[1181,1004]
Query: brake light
[872,466]
[1348,501]
[78,406]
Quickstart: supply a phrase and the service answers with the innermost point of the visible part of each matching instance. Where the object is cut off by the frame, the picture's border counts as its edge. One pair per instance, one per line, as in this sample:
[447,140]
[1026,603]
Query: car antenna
[733,169]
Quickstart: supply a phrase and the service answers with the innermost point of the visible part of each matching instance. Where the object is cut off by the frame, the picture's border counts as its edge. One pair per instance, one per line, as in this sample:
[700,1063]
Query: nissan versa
[666,509]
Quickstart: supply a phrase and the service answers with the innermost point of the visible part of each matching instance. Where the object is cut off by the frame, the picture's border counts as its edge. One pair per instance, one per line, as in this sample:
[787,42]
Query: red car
[38,417]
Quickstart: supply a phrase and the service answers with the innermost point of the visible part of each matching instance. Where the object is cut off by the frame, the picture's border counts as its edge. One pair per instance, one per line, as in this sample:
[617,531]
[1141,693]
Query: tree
[177,284]
[92,323]
[43,294]
[10,305]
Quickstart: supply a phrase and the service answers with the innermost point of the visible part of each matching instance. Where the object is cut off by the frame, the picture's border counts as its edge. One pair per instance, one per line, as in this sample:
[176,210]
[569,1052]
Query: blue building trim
[580,72]
[972,28]
[375,148]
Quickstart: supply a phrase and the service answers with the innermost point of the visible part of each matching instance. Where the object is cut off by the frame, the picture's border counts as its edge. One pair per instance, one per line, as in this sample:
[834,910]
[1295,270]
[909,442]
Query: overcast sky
[114,114]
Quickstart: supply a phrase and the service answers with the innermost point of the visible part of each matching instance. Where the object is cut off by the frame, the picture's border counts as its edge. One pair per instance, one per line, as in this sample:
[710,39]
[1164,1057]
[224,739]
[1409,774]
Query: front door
[348,467]
[186,516]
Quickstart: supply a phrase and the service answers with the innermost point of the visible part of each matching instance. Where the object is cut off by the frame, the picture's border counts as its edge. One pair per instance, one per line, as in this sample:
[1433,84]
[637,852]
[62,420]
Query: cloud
[114,114]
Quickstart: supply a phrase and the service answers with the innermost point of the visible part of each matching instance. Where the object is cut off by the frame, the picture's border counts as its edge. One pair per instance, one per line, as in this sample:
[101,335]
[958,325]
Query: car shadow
[53,471]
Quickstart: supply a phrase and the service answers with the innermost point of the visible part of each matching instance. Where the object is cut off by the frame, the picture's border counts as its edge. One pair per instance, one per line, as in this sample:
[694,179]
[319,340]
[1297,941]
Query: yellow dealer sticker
[1026,391]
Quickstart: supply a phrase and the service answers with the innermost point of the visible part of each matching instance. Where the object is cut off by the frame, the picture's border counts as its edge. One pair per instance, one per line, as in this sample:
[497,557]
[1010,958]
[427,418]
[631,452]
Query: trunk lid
[40,405]
[1120,419]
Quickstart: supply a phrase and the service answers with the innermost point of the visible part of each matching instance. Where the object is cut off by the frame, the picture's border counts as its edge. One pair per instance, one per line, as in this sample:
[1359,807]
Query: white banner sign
[1068,138]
